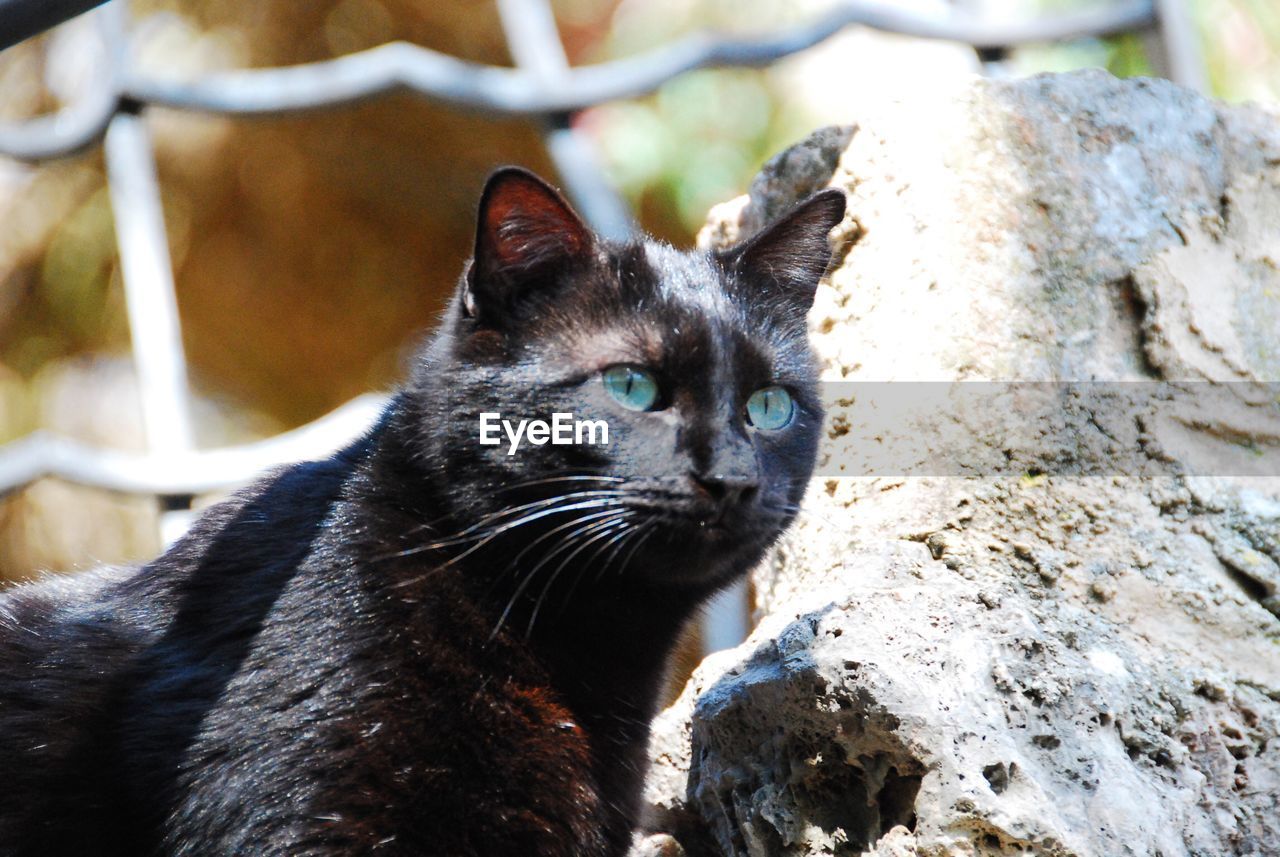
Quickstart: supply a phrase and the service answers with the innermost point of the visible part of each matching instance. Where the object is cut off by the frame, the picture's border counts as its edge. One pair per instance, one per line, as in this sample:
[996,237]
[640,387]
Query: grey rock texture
[1074,650]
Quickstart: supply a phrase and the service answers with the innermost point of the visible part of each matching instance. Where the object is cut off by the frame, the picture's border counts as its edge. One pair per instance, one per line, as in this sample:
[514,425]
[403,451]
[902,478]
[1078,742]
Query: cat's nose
[725,490]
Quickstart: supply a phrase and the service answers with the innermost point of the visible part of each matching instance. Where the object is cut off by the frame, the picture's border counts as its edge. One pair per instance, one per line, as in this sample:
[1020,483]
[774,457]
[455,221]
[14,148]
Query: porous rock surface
[1075,649]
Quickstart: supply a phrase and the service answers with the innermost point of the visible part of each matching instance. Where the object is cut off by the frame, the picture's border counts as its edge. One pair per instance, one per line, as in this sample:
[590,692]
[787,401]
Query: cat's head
[698,364]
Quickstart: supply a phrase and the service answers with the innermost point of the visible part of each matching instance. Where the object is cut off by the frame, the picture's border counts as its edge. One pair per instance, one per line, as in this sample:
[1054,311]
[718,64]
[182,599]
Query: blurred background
[310,252]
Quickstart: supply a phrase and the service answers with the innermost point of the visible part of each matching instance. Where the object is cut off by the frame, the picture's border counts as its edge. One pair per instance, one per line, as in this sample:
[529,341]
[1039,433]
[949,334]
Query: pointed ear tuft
[525,232]
[787,258]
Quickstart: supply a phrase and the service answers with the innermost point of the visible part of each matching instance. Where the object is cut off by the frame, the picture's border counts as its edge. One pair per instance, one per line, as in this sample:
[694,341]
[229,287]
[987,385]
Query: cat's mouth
[690,516]
[717,531]
[655,526]
[719,519]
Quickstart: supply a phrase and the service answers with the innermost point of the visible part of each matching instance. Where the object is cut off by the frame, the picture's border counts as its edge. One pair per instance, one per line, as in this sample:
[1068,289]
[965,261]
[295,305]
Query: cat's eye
[770,408]
[632,387]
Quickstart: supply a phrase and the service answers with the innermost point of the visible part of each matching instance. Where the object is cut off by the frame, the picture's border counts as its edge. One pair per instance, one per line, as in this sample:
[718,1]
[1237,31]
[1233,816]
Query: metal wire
[527,91]
[176,474]
[534,41]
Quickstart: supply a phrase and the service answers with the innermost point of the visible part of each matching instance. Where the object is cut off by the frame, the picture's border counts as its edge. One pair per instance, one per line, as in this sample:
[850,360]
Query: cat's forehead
[690,279]
[667,308]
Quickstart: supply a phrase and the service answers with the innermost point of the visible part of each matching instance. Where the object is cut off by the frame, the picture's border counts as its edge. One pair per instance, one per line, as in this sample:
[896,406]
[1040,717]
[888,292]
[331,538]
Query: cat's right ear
[525,234]
[786,259]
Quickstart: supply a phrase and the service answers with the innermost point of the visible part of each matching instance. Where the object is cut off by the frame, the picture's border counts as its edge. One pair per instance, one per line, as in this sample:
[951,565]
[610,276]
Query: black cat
[427,644]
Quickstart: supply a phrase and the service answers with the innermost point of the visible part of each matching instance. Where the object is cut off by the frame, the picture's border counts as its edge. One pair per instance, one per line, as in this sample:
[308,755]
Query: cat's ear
[525,233]
[787,259]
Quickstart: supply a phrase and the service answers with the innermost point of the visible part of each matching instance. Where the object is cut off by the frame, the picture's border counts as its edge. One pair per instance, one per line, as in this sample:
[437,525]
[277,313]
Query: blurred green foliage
[701,138]
[673,163]
[1242,47]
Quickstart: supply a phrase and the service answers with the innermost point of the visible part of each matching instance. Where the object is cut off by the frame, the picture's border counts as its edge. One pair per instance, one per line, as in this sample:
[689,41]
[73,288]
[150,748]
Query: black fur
[423,645]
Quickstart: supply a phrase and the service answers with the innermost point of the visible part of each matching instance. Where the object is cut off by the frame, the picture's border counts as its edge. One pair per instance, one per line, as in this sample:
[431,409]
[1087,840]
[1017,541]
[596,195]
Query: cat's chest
[509,762]
[405,747]
[483,731]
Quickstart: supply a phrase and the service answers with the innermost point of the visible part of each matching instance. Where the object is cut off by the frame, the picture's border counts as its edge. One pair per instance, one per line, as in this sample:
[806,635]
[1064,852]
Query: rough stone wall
[1076,649]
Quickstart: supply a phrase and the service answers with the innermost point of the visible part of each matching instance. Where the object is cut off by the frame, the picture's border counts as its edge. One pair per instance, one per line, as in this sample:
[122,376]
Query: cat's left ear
[525,234]
[787,259]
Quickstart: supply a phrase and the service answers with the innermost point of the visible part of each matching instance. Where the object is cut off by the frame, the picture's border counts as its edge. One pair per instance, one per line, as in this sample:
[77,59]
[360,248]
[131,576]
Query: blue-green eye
[770,408]
[634,388]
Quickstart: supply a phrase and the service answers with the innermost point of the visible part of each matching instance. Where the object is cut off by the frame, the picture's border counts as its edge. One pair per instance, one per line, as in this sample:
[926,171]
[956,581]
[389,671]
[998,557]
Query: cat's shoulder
[51,597]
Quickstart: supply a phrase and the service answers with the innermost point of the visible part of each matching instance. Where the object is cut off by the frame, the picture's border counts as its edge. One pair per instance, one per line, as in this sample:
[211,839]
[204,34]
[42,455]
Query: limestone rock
[1074,649]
